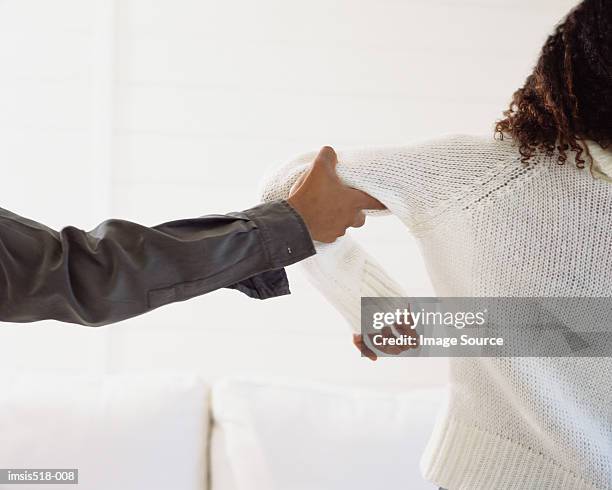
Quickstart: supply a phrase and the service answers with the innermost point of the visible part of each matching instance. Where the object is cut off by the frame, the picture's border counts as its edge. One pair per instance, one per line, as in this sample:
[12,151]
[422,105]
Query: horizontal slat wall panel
[245,114]
[41,17]
[225,352]
[450,23]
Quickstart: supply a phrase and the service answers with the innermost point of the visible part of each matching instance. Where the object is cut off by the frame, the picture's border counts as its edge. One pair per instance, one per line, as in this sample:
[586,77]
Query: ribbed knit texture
[489,225]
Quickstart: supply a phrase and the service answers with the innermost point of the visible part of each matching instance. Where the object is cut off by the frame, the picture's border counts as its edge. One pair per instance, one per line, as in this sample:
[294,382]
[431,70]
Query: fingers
[365,201]
[327,160]
[327,206]
[359,220]
[363,348]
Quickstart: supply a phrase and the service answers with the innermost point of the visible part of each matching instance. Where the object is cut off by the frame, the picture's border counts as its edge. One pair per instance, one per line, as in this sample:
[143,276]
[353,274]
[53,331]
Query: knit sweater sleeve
[413,182]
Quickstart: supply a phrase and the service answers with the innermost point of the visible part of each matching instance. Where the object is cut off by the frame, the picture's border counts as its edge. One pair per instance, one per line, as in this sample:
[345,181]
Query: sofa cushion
[290,436]
[121,432]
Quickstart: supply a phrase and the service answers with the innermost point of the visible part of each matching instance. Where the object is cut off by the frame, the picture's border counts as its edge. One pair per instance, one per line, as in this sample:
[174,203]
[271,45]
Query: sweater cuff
[284,234]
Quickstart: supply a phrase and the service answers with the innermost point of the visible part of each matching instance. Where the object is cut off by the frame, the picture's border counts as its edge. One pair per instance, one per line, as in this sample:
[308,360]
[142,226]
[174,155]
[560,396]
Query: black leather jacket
[122,269]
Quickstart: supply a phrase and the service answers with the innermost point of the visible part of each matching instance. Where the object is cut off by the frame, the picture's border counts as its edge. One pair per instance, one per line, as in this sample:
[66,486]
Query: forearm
[122,269]
[344,273]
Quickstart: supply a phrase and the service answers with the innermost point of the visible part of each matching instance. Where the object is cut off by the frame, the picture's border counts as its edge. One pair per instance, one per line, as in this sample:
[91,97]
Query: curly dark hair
[568,97]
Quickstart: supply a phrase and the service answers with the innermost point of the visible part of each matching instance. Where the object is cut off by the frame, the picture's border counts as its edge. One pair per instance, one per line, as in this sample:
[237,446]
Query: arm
[122,269]
[417,183]
[343,271]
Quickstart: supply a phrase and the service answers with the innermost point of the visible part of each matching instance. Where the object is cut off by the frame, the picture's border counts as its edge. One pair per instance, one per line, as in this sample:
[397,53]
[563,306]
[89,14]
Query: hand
[327,206]
[388,333]
[363,348]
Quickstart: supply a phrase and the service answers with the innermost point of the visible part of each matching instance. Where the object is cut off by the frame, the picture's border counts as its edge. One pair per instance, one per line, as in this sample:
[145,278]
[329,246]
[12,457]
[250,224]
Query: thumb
[322,167]
[365,201]
[325,160]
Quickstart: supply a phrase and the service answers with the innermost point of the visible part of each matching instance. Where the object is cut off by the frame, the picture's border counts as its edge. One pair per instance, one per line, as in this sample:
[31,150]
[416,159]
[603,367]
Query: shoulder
[449,150]
[443,172]
[469,146]
[446,163]
[455,158]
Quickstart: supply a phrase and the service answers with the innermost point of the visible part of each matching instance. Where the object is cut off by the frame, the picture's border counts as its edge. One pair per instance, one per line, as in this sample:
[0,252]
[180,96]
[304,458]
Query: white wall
[49,121]
[158,109]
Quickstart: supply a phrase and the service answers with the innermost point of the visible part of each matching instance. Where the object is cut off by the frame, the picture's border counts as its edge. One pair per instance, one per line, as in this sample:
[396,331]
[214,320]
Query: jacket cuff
[284,234]
[266,285]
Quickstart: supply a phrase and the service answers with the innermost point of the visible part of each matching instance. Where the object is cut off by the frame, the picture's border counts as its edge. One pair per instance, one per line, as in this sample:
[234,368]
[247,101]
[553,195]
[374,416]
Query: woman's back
[542,230]
[535,229]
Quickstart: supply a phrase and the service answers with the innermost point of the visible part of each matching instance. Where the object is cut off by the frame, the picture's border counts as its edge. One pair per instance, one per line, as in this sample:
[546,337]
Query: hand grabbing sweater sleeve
[343,271]
[416,183]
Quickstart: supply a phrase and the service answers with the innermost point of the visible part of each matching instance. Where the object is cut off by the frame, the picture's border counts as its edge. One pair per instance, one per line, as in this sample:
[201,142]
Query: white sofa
[154,432]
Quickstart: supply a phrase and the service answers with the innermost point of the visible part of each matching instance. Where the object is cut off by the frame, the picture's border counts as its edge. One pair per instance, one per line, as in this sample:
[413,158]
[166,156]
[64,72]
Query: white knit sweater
[489,225]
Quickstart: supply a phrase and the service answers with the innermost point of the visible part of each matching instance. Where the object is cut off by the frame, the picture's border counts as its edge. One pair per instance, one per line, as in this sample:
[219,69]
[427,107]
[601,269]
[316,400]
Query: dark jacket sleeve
[122,269]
